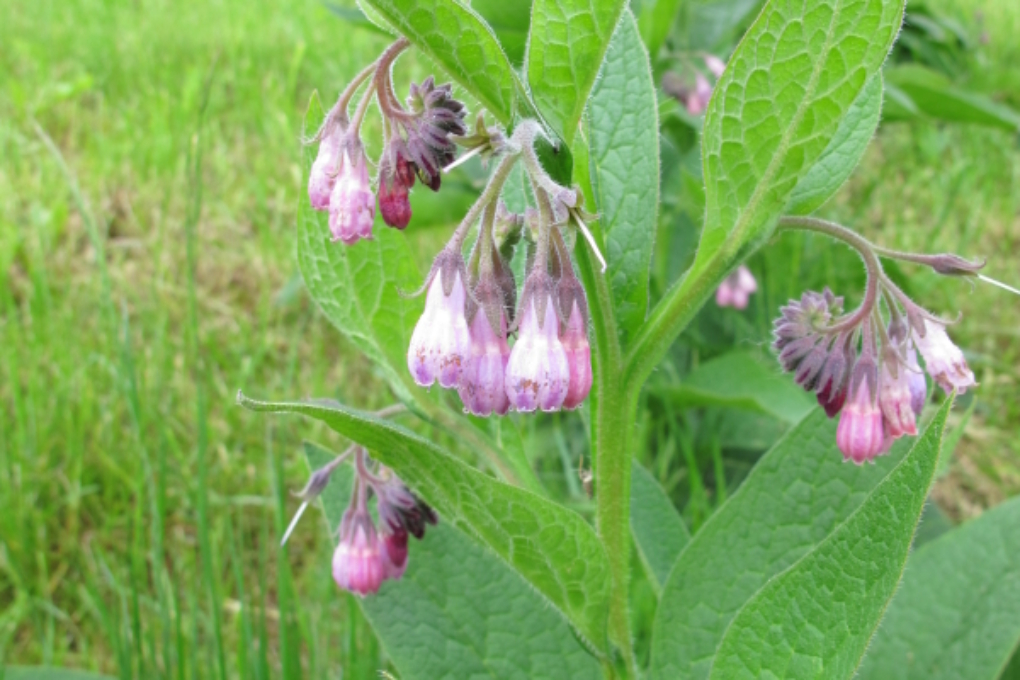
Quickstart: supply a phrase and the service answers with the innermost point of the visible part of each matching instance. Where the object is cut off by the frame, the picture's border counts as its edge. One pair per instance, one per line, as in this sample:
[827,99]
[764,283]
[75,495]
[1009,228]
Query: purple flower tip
[359,566]
[735,291]
[441,341]
[538,374]
[352,203]
[482,382]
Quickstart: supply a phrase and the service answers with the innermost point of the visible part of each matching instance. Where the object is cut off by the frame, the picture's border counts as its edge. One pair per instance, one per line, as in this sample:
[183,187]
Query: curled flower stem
[863,247]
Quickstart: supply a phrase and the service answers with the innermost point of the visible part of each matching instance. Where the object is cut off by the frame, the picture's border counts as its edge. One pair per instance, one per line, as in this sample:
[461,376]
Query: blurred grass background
[145,282]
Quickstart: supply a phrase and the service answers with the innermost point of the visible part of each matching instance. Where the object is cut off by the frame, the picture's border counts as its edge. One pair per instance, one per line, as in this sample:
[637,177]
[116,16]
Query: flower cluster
[462,339]
[694,95]
[736,289]
[418,144]
[866,369]
[366,556]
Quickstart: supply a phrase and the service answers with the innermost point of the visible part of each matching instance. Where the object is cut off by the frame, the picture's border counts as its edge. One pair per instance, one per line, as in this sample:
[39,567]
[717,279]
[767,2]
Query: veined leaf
[742,380]
[459,612]
[815,620]
[795,497]
[553,548]
[780,102]
[659,531]
[843,153]
[459,40]
[624,167]
[567,44]
[957,614]
[358,287]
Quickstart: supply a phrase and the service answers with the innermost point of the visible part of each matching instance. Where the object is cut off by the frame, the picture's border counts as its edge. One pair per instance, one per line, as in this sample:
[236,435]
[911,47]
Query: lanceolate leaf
[459,612]
[659,531]
[793,499]
[624,165]
[568,41]
[780,102]
[957,614]
[553,548]
[459,40]
[815,620]
[843,153]
[933,95]
[358,287]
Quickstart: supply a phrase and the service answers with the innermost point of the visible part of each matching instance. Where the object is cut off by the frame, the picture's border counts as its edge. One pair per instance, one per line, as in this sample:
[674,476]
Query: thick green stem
[612,419]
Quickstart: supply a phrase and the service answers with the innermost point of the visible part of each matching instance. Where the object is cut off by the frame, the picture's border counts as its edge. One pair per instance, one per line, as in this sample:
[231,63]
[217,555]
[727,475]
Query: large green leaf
[460,612]
[931,94]
[358,287]
[741,380]
[550,546]
[659,531]
[815,619]
[843,153]
[796,495]
[624,167]
[567,43]
[780,102]
[957,614]
[459,40]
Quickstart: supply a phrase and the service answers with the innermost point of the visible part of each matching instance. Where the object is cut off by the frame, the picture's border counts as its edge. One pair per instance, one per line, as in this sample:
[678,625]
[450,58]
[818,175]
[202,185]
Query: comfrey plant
[540,301]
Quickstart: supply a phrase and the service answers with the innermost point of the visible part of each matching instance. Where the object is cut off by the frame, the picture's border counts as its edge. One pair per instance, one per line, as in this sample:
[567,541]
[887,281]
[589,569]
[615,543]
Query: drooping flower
[395,545]
[482,382]
[916,382]
[321,178]
[860,434]
[943,360]
[895,398]
[359,563]
[352,203]
[399,509]
[736,289]
[396,178]
[538,373]
[441,342]
[574,336]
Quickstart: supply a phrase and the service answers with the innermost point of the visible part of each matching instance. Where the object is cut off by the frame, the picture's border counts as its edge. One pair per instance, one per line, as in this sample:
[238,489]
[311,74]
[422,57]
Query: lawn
[149,179]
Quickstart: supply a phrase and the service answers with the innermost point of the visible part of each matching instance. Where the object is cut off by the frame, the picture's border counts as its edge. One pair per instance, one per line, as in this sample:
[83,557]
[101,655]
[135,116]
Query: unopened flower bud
[943,360]
[736,289]
[715,65]
[396,178]
[948,264]
[399,509]
[860,435]
[575,344]
[395,545]
[352,204]
[359,564]
[538,374]
[441,341]
[832,383]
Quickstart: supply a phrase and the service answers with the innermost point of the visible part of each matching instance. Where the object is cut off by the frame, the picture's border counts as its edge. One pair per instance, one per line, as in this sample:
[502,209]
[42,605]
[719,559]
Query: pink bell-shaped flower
[575,344]
[735,290]
[860,435]
[352,203]
[482,382]
[944,360]
[538,374]
[360,564]
[441,342]
[894,398]
[321,179]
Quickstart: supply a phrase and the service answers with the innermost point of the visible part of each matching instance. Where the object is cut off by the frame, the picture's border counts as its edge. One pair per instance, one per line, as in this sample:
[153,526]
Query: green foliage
[459,611]
[462,43]
[359,289]
[843,153]
[816,618]
[957,614]
[659,532]
[765,129]
[741,380]
[795,498]
[922,92]
[624,165]
[47,673]
[550,546]
[567,43]
[509,20]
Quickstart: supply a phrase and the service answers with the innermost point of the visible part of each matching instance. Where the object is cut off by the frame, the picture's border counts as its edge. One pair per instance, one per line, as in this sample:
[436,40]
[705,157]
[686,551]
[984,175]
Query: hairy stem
[613,411]
[489,195]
